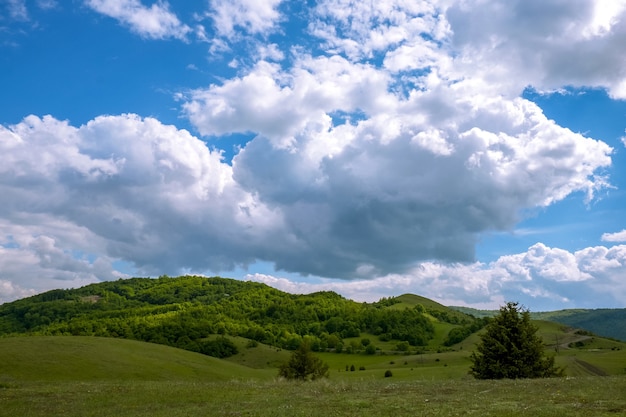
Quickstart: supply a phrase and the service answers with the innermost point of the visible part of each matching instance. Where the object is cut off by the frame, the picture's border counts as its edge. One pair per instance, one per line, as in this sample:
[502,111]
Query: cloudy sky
[471,151]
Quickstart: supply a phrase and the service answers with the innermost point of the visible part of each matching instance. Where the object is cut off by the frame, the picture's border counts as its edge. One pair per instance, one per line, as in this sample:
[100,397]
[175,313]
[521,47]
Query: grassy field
[88,376]
[584,396]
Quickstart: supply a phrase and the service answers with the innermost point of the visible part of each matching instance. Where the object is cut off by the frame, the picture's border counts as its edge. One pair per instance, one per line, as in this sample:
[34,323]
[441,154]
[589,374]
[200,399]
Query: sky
[469,151]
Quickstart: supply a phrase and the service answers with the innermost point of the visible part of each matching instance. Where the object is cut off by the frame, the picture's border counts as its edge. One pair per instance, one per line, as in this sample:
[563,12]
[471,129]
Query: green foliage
[458,334]
[304,365]
[510,348]
[221,347]
[402,346]
[184,311]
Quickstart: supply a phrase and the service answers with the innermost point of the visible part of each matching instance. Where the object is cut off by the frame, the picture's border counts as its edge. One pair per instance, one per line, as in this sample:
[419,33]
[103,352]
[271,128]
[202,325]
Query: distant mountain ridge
[606,322]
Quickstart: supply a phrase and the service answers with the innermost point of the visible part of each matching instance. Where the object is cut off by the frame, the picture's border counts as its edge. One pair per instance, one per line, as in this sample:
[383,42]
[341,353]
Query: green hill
[186,311]
[90,376]
[603,322]
[59,358]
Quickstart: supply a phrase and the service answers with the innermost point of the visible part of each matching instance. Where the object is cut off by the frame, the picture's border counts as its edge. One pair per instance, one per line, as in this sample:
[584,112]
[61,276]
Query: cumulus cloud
[542,277]
[614,237]
[250,16]
[9,291]
[125,187]
[154,22]
[396,179]
[546,44]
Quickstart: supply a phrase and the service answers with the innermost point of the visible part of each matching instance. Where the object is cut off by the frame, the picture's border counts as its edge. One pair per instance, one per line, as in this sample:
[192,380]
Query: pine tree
[304,365]
[511,348]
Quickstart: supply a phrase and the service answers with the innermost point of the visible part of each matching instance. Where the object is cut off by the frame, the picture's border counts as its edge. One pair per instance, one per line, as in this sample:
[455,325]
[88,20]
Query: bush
[304,365]
[219,348]
[388,374]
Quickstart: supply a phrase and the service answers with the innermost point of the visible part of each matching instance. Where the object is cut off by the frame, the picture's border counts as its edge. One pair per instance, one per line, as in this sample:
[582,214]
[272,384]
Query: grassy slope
[88,376]
[75,358]
[411,300]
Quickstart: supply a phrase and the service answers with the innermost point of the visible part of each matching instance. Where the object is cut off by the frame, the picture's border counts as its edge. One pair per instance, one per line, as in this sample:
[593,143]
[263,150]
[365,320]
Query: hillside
[603,322]
[91,376]
[185,311]
[79,358]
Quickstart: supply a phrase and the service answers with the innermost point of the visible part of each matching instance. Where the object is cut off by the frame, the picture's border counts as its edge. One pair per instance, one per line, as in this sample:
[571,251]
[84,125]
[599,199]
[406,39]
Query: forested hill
[606,322]
[184,311]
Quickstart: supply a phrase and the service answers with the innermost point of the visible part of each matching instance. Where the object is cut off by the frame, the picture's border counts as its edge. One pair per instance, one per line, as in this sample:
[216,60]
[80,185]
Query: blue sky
[469,151]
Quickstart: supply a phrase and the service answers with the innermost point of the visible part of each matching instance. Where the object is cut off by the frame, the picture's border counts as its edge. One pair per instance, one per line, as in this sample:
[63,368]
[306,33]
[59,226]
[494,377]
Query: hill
[186,311]
[603,322]
[79,358]
[90,376]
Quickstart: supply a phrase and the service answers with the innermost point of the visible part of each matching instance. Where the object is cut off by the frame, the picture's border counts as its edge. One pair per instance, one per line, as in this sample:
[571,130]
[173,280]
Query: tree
[304,365]
[510,348]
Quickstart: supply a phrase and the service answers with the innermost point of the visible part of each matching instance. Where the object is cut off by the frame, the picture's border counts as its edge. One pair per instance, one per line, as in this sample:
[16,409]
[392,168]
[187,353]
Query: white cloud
[9,291]
[279,104]
[250,16]
[361,29]
[544,44]
[541,278]
[367,175]
[154,22]
[125,188]
[614,237]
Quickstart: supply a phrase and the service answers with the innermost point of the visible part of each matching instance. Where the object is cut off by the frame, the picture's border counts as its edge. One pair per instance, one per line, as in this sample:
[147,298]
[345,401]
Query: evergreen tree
[304,365]
[510,348]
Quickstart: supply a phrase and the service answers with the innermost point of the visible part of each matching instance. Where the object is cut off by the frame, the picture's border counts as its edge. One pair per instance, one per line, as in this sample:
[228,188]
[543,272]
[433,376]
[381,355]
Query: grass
[52,359]
[597,396]
[89,376]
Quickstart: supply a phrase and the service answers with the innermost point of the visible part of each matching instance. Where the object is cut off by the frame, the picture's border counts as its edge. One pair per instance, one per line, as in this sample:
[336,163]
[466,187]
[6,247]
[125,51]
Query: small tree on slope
[511,348]
[303,365]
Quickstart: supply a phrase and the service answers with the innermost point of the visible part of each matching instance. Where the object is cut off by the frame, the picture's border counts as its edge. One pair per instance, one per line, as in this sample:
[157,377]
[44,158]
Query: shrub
[221,347]
[388,374]
[304,365]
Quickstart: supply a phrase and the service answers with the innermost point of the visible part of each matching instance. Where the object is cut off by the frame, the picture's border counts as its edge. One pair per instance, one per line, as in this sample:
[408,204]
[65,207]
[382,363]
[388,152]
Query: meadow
[140,347]
[91,376]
